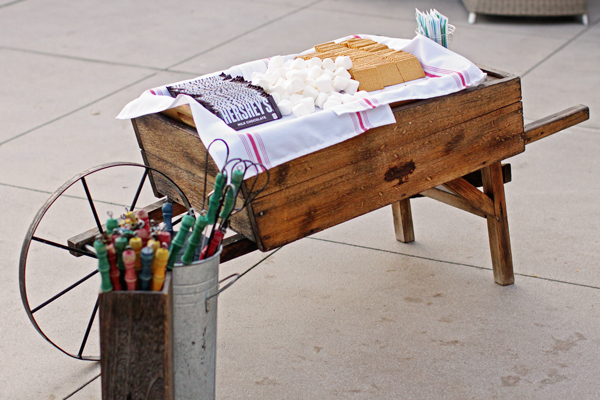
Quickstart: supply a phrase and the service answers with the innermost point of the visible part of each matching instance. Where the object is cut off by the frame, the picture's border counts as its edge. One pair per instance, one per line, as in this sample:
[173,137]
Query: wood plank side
[383,176]
[414,121]
[193,189]
[136,344]
[177,151]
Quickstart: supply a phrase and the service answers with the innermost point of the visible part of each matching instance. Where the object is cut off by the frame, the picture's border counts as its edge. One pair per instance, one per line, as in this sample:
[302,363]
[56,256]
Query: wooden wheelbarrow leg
[493,187]
[403,225]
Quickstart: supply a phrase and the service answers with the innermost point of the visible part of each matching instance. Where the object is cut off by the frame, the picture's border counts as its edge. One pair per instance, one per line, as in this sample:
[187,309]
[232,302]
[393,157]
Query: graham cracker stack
[375,65]
[375,47]
[357,44]
[408,65]
[367,76]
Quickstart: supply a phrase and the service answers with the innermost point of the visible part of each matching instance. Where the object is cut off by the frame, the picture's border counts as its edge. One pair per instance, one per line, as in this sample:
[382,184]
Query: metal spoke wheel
[58,265]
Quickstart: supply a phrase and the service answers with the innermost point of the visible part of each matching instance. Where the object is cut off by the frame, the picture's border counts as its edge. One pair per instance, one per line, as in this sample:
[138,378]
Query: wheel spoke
[62,246]
[139,190]
[89,197]
[79,282]
[87,331]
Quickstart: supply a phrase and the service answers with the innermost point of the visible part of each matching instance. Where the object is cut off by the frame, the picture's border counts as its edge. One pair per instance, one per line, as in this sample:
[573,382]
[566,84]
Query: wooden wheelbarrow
[442,148]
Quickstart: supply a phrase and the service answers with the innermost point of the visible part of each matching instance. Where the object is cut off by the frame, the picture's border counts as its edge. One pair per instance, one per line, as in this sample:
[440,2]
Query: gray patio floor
[349,312]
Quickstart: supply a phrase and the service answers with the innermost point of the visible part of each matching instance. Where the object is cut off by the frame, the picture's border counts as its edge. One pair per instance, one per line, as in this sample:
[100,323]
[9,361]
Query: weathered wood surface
[136,344]
[452,200]
[472,195]
[414,122]
[176,150]
[556,122]
[403,224]
[387,168]
[493,186]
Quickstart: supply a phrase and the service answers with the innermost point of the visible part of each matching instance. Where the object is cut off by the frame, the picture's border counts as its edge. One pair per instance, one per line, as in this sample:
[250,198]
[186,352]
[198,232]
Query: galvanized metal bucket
[195,291]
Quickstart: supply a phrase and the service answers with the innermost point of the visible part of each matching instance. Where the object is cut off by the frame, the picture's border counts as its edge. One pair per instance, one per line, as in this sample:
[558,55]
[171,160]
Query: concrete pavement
[349,312]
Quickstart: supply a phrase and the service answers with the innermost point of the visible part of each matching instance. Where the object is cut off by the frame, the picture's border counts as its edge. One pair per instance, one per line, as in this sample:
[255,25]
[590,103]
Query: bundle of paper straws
[433,25]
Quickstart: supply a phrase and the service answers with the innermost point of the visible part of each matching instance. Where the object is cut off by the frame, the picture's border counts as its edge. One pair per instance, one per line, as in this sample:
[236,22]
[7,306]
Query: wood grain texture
[413,122]
[472,195]
[556,122]
[382,175]
[498,232]
[403,223]
[136,344]
[452,200]
[176,150]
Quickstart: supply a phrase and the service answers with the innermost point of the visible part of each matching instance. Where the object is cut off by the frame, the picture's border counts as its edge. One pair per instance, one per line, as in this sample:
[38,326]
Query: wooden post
[136,351]
[493,186]
[403,224]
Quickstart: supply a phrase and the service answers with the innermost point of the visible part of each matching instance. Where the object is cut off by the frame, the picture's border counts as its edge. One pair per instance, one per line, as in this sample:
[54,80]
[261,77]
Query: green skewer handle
[194,240]
[186,223]
[236,178]
[213,204]
[228,205]
[111,225]
[103,265]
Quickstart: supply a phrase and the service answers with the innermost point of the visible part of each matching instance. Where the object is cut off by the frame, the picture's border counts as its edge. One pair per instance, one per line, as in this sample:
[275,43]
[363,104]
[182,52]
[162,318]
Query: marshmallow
[315,72]
[288,64]
[352,87]
[276,97]
[263,83]
[329,73]
[282,71]
[344,62]
[340,83]
[256,75]
[323,83]
[272,77]
[309,103]
[341,71]
[300,110]
[310,82]
[348,98]
[310,92]
[335,96]
[321,99]
[277,88]
[276,62]
[294,86]
[315,62]
[296,98]
[329,64]
[298,63]
[301,74]
[330,103]
[285,96]
[285,107]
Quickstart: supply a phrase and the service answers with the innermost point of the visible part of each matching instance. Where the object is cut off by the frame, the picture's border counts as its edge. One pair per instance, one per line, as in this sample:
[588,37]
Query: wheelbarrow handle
[555,123]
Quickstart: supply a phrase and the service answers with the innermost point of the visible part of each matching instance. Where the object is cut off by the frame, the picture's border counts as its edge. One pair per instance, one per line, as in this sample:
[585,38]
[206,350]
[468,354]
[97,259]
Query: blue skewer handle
[147,255]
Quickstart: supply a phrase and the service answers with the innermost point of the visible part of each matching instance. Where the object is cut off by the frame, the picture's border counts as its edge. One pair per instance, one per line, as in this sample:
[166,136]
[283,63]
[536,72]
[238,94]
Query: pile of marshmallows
[297,86]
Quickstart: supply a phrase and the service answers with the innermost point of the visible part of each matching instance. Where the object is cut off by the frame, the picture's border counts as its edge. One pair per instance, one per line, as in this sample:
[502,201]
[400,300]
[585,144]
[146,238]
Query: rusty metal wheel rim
[30,236]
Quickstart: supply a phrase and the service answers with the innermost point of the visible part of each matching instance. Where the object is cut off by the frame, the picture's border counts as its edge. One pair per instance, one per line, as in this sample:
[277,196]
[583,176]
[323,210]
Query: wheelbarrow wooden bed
[442,148]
